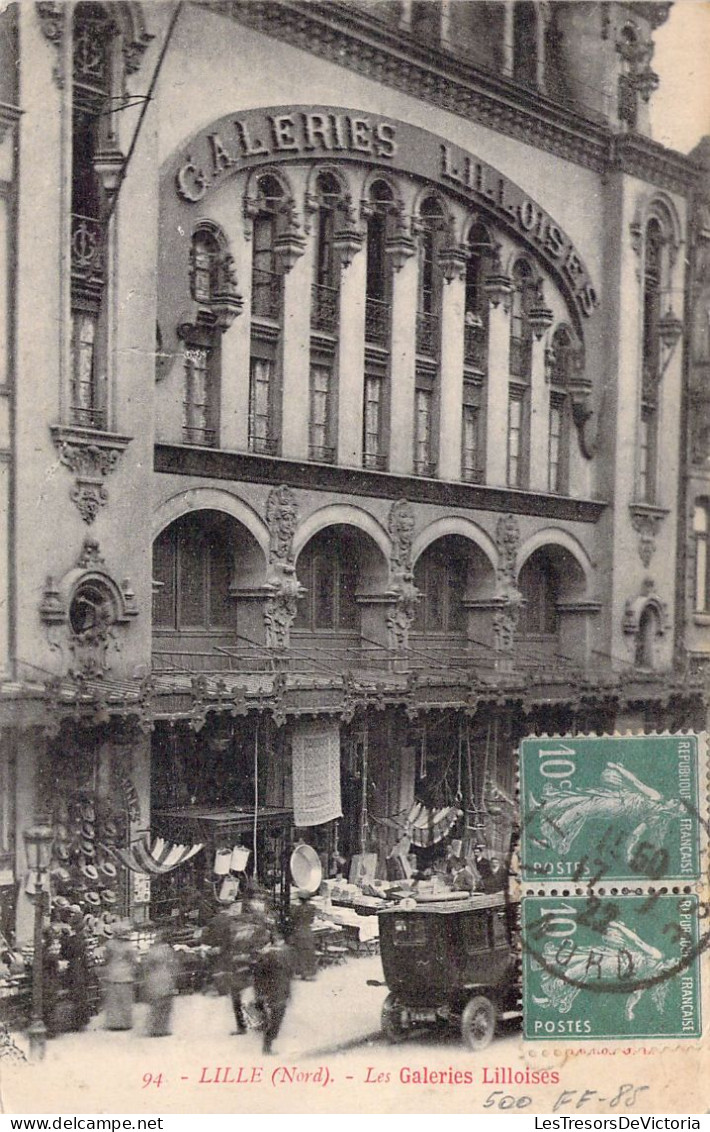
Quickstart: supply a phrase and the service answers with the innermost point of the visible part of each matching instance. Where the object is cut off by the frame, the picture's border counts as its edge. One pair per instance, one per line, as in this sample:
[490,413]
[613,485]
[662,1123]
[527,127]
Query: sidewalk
[95,1069]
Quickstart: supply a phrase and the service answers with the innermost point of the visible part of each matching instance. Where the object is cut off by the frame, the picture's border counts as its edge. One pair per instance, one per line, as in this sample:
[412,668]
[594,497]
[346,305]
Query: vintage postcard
[354,567]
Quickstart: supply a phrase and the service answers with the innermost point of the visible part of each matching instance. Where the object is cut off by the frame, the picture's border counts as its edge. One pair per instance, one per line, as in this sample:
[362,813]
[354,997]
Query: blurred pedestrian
[305,960]
[272,989]
[160,969]
[78,974]
[119,979]
[250,933]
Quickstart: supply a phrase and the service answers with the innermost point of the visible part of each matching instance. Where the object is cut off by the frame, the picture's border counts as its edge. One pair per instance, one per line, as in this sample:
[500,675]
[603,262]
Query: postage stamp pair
[614,922]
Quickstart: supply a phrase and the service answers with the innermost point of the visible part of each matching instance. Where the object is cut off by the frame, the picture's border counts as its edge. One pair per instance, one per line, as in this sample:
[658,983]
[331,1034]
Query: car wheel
[391,1019]
[478,1023]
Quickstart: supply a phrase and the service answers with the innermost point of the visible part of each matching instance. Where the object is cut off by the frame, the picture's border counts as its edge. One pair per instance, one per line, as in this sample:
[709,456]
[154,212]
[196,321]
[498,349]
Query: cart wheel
[391,1019]
[478,1023]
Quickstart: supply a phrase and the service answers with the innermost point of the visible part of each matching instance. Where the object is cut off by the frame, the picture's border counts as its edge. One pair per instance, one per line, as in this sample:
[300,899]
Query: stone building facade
[341,401]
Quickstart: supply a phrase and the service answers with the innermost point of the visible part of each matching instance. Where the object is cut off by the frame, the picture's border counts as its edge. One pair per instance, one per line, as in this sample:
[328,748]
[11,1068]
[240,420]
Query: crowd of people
[246,950]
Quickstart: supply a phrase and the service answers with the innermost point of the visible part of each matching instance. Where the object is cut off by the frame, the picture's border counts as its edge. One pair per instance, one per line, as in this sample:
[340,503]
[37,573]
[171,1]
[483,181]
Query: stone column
[404,321]
[451,376]
[295,355]
[351,352]
[539,419]
[497,395]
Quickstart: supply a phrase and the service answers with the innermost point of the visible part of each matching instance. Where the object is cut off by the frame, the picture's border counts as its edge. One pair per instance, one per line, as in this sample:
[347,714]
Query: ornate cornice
[397,59]
[646,519]
[214,463]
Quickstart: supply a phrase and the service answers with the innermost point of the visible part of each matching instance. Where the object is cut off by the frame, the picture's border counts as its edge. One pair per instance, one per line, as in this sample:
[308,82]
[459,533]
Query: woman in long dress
[160,968]
[119,981]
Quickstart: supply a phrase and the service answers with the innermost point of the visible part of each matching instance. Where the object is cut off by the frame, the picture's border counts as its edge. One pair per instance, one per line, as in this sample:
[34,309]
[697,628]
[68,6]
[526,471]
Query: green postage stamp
[607,968]
[617,808]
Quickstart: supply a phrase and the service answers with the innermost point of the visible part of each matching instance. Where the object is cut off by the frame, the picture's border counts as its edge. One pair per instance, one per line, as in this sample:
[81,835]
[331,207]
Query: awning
[425,827]
[162,857]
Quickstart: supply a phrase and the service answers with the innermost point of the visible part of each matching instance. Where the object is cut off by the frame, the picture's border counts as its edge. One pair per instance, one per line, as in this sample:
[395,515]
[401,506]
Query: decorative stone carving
[401,531]
[507,545]
[83,610]
[284,589]
[52,14]
[505,621]
[400,615]
[280,609]
[90,457]
[281,519]
[646,521]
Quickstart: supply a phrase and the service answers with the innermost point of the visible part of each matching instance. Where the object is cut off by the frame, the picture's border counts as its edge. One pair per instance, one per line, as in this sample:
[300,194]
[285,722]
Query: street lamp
[38,846]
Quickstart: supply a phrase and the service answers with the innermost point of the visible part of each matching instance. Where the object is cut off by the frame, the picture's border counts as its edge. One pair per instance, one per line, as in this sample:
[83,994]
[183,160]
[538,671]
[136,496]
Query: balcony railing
[87,249]
[424,467]
[376,460]
[267,293]
[321,453]
[324,308]
[265,445]
[88,418]
[377,322]
[192,434]
[475,347]
[520,357]
[427,334]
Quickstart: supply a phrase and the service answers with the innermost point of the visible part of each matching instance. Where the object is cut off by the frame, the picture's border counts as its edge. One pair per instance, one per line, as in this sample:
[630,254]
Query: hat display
[93,898]
[87,848]
[87,811]
[61,851]
[61,902]
[109,896]
[87,831]
[90,872]
[60,875]
[108,869]
[109,830]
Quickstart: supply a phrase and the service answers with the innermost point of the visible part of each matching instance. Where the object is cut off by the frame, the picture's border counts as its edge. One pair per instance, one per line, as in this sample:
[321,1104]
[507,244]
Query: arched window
[432,224]
[94,35]
[266,279]
[203,263]
[328,568]
[326,285]
[476,302]
[524,289]
[380,213]
[645,653]
[525,42]
[441,575]
[192,571]
[266,305]
[539,584]
[653,251]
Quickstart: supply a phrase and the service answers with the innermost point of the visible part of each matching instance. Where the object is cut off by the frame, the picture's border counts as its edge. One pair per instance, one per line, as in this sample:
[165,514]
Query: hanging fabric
[427,827]
[316,772]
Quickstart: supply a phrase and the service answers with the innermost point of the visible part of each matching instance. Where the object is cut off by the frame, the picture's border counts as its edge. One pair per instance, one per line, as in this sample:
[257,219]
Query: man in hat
[302,941]
[78,975]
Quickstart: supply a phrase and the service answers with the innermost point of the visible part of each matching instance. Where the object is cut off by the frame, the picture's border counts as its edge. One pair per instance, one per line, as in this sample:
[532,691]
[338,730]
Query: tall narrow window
[525,50]
[440,575]
[266,279]
[261,425]
[329,568]
[372,446]
[432,222]
[198,410]
[204,260]
[321,447]
[539,584]
[646,476]
[380,211]
[516,438]
[326,285]
[701,531]
[423,463]
[476,303]
[520,329]
[86,405]
[192,572]
[555,445]
[652,300]
[472,450]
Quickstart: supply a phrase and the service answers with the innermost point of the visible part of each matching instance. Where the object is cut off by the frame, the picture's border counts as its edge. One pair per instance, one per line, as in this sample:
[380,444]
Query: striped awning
[426,827]
[154,860]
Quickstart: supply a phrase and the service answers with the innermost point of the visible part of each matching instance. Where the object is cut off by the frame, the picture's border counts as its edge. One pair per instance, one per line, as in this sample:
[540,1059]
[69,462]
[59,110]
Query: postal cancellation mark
[617,807]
